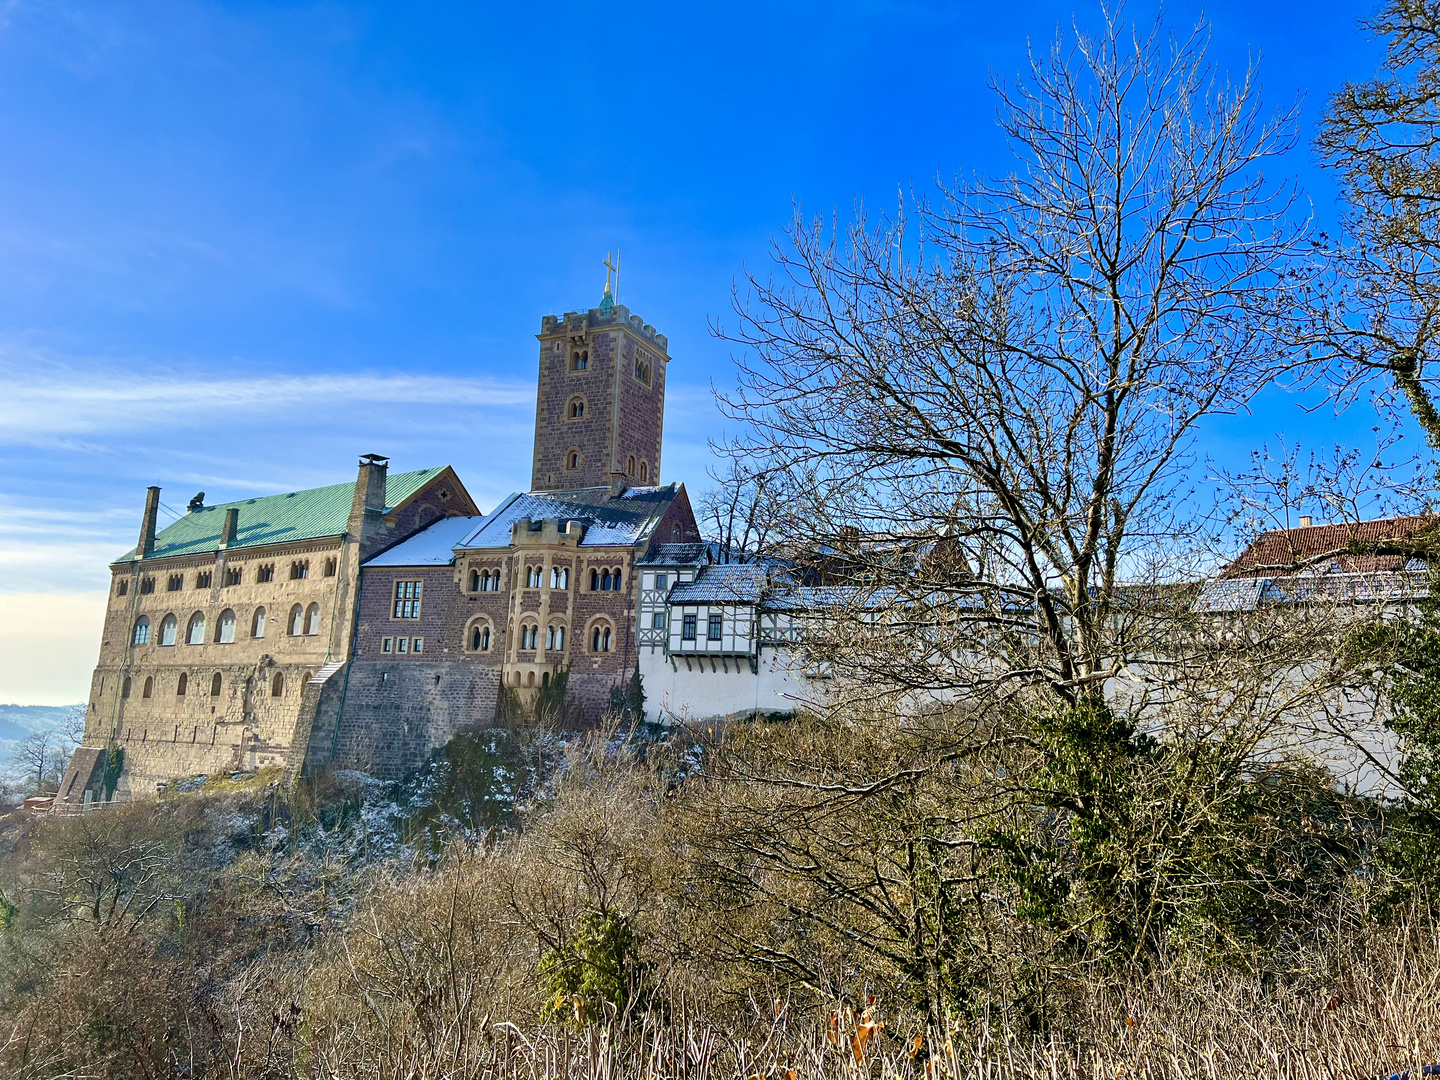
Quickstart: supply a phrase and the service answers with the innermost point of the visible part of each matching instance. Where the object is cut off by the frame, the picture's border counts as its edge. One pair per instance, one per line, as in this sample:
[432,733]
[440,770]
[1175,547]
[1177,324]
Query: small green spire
[607,301]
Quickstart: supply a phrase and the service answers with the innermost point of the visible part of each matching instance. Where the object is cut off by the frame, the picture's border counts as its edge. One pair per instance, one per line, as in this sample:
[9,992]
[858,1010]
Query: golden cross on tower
[615,267]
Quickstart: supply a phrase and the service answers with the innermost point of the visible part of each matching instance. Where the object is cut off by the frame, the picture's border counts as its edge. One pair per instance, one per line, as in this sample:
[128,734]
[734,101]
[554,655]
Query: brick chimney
[146,546]
[369,502]
[231,528]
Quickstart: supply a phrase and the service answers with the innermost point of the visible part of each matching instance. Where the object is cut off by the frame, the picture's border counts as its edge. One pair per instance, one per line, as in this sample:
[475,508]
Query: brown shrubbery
[633,925]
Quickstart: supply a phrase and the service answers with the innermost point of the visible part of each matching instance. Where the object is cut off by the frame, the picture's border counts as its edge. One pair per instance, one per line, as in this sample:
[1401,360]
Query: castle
[361,625]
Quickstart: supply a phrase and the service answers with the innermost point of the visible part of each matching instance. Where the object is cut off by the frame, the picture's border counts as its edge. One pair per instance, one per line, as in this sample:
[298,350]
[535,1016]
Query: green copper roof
[277,519]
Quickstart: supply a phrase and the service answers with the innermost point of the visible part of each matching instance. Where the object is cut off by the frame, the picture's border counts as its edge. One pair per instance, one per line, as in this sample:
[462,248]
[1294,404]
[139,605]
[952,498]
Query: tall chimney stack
[231,526]
[146,546]
[1306,521]
[369,501]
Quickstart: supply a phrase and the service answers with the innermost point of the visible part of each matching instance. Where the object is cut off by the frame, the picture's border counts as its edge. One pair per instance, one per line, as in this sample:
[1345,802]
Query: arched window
[577,408]
[530,678]
[600,638]
[605,580]
[572,461]
[555,638]
[644,472]
[225,629]
[167,630]
[277,685]
[529,637]
[149,690]
[474,580]
[495,581]
[141,636]
[559,577]
[215,685]
[195,633]
[594,580]
[125,687]
[630,465]
[312,620]
[297,620]
[181,686]
[580,361]
[534,576]
[480,638]
[303,680]
[615,579]
[257,623]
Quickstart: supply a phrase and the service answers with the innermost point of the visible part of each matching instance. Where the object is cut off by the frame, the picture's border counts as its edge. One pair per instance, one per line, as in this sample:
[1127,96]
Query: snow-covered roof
[725,583]
[610,520]
[696,554]
[432,546]
[1246,594]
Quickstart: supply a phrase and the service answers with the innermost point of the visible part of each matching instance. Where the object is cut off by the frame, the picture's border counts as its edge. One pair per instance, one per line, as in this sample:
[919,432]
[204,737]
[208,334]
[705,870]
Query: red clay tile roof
[1326,548]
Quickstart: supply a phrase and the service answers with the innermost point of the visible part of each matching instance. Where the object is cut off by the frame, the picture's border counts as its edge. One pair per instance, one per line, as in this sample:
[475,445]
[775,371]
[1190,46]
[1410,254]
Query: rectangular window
[662,581]
[687,628]
[387,644]
[203,579]
[407,599]
[714,629]
[402,644]
[233,575]
[657,621]
[265,573]
[418,645]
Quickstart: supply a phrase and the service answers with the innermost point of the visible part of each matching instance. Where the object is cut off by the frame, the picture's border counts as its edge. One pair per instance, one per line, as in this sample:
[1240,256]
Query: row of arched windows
[606,580]
[217,684]
[480,637]
[304,622]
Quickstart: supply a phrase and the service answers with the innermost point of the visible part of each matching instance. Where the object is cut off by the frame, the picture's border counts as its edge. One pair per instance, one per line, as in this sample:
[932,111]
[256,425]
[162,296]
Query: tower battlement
[595,319]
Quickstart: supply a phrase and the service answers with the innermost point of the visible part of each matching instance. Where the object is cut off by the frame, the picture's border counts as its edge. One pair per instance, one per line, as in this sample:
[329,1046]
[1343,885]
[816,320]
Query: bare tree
[35,757]
[741,514]
[1018,371]
[1382,318]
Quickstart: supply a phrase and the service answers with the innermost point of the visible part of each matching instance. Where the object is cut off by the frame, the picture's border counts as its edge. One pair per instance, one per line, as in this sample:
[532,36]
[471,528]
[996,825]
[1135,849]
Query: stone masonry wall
[624,415]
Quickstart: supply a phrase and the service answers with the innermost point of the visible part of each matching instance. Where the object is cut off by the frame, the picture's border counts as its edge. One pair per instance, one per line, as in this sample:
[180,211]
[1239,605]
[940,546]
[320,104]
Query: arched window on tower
[630,467]
[215,685]
[605,580]
[580,361]
[168,626]
[181,686]
[312,620]
[572,460]
[257,623]
[149,690]
[225,628]
[277,685]
[141,636]
[195,635]
[297,620]
[576,411]
[644,472]
[474,580]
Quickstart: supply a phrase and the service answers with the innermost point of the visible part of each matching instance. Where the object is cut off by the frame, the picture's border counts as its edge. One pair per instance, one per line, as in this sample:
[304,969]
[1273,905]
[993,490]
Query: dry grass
[1379,1016]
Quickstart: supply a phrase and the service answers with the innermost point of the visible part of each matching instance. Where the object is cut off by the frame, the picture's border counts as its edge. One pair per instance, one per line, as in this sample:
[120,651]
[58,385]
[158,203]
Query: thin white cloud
[44,408]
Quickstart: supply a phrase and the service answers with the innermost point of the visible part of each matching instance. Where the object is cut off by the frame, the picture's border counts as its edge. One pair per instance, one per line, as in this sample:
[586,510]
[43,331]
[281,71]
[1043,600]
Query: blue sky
[242,243]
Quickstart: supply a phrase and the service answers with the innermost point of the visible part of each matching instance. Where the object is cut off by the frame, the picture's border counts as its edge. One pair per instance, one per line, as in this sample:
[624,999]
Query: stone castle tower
[600,405]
